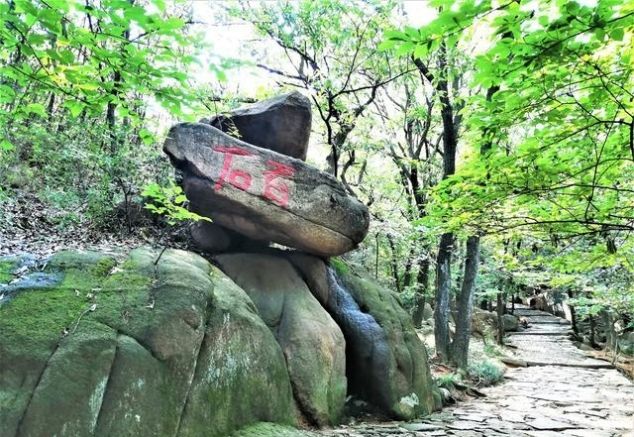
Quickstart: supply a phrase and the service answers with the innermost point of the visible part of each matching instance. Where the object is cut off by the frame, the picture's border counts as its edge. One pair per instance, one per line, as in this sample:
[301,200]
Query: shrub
[486,372]
[447,380]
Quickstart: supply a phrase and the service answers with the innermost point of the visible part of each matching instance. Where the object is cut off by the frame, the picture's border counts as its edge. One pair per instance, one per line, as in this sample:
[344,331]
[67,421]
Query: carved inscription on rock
[269,179]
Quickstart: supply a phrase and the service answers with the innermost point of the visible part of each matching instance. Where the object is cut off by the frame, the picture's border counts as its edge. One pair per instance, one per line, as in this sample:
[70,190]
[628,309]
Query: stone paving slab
[544,320]
[542,328]
[539,401]
[527,312]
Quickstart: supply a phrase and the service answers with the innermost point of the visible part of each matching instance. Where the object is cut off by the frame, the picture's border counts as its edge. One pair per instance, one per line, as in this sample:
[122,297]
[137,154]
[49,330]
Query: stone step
[579,365]
[520,362]
[530,311]
[539,316]
[559,333]
[548,322]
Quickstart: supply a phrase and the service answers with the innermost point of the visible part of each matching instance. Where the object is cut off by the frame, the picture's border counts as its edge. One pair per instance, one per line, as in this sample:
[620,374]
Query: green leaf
[6,145]
[74,107]
[146,136]
[421,51]
[36,108]
[617,34]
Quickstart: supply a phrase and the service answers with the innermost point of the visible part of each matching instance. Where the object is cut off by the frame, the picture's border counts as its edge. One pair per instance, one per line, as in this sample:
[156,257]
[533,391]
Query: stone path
[561,392]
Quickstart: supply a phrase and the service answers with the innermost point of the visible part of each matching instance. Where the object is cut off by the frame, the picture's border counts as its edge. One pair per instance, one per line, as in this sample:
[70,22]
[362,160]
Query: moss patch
[7,266]
[339,265]
[40,316]
[70,259]
[37,315]
[104,266]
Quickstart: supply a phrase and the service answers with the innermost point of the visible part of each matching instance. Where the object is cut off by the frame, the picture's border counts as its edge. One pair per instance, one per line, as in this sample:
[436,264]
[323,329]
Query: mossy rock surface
[313,344]
[7,268]
[383,345]
[387,364]
[120,346]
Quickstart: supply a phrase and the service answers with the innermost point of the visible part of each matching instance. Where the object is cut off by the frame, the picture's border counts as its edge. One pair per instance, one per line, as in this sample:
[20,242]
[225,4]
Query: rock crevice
[33,391]
[95,424]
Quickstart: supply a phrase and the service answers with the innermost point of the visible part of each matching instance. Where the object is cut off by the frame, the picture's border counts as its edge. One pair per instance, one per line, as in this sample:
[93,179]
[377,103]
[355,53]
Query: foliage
[486,372]
[330,47]
[91,54]
[492,349]
[80,84]
[169,202]
[556,178]
[447,380]
[552,111]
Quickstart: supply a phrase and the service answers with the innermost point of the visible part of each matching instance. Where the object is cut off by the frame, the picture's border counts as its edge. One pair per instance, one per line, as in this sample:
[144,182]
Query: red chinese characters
[275,178]
[238,178]
[275,187]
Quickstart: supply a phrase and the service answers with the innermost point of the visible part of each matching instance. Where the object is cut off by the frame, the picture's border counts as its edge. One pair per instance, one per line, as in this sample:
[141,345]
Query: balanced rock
[281,124]
[263,194]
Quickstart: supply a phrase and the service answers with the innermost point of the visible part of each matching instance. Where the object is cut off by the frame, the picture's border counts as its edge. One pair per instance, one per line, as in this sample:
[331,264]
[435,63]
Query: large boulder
[510,322]
[312,342]
[626,343]
[213,238]
[281,124]
[121,346]
[550,301]
[485,323]
[263,194]
[387,363]
[428,311]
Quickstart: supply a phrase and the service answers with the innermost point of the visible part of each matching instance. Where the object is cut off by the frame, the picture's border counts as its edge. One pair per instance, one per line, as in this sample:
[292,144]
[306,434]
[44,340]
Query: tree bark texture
[464,304]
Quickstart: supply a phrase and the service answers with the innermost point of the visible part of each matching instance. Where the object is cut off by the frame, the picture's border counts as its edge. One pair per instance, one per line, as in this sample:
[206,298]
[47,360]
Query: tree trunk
[376,260]
[117,81]
[592,339]
[443,286]
[573,315]
[611,337]
[573,321]
[450,144]
[464,304]
[111,113]
[443,264]
[500,318]
[422,282]
[394,263]
[407,273]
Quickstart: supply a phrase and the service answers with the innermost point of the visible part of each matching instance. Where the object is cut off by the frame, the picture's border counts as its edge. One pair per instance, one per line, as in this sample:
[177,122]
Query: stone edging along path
[556,391]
